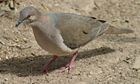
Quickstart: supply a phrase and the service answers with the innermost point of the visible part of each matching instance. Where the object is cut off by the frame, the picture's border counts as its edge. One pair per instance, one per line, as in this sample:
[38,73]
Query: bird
[63,34]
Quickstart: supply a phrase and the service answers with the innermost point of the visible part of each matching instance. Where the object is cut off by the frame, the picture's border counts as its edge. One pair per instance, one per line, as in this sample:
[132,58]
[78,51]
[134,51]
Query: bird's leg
[71,64]
[46,66]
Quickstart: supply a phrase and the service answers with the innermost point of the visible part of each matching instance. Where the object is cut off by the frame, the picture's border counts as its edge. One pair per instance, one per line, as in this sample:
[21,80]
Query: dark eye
[28,16]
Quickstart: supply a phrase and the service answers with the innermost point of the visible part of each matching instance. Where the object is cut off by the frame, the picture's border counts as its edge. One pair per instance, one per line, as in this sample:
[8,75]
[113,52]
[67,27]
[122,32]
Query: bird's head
[28,15]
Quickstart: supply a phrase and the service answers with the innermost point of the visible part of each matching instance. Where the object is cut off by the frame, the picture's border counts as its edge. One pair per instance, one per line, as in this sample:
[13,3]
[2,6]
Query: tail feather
[113,30]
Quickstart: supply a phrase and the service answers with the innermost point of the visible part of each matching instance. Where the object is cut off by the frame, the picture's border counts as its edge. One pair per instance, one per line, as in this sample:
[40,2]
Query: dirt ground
[106,60]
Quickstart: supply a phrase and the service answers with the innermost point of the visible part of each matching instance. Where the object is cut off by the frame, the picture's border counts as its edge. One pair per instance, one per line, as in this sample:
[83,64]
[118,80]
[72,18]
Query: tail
[113,30]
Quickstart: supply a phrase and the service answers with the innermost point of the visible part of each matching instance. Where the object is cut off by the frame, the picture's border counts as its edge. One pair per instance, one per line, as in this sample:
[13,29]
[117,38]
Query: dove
[62,34]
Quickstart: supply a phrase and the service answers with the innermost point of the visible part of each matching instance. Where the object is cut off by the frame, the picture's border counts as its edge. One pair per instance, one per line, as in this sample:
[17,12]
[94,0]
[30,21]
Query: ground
[106,60]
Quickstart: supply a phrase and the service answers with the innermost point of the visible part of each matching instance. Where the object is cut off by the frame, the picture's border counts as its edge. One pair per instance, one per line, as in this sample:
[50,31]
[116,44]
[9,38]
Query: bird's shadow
[26,66]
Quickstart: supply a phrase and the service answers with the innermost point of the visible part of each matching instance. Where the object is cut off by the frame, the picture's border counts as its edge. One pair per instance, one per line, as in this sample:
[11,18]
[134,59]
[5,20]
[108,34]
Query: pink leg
[71,64]
[46,66]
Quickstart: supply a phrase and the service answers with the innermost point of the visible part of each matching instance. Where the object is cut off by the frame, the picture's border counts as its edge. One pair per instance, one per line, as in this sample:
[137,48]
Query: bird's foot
[46,66]
[68,67]
[71,64]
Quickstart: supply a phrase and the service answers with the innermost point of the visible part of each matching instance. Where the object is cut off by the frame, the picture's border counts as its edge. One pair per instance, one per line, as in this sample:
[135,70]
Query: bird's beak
[20,21]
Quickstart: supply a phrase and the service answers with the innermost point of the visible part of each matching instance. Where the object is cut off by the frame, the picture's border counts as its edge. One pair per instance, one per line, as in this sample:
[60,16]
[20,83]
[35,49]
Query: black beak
[21,21]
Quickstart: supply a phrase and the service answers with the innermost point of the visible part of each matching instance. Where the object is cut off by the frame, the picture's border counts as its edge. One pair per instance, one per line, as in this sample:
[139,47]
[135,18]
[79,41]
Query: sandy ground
[106,60]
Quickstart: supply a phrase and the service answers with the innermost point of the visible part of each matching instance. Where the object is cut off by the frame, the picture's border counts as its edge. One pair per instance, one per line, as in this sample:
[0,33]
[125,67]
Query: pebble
[136,64]
[6,57]
[91,72]
[5,79]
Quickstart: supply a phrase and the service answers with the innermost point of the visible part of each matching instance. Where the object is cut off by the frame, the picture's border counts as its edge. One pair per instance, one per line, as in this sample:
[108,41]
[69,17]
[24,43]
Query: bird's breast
[44,40]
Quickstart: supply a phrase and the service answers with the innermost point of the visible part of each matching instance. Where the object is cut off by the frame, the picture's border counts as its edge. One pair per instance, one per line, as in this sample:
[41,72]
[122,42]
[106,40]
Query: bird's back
[77,30]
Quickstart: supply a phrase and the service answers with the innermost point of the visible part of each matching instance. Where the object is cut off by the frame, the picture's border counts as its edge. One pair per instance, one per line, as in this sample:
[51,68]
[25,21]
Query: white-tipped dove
[64,33]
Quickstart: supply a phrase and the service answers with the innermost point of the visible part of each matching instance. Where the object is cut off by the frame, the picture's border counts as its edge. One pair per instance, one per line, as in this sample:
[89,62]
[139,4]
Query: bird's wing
[77,30]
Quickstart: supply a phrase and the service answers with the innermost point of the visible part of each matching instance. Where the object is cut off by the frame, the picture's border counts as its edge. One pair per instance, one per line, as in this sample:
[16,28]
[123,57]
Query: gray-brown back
[77,30]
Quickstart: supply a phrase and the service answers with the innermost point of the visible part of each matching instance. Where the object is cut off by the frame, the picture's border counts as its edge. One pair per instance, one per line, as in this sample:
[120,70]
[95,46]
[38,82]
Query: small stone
[77,72]
[5,79]
[127,21]
[12,4]
[89,76]
[56,4]
[136,64]
[6,57]
[91,73]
